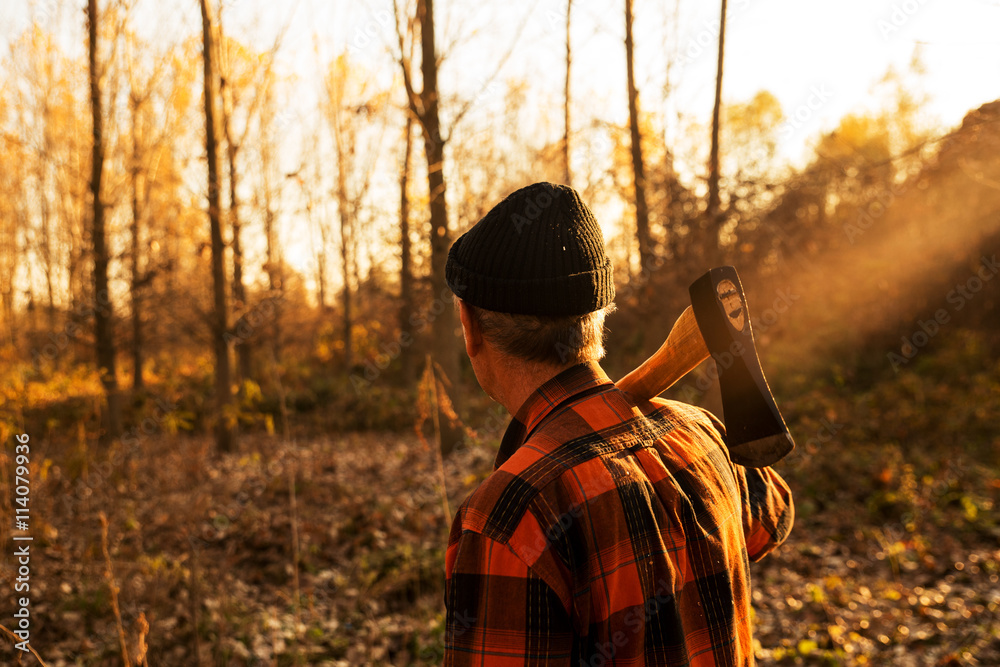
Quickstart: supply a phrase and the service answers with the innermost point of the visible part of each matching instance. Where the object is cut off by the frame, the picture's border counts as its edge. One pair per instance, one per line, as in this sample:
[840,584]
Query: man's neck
[520,379]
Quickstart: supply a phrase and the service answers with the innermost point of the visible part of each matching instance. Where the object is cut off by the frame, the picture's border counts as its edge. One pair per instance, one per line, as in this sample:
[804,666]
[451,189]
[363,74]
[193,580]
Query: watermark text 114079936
[22,550]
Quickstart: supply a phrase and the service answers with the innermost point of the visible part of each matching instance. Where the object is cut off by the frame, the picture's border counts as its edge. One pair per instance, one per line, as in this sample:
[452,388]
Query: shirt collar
[565,386]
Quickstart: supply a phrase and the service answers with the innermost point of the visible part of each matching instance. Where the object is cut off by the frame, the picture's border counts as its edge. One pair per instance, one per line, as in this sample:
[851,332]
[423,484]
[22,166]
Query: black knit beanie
[538,252]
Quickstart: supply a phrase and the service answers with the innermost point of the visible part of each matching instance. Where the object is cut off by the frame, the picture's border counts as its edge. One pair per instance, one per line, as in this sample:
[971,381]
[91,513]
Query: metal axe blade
[718,324]
[756,433]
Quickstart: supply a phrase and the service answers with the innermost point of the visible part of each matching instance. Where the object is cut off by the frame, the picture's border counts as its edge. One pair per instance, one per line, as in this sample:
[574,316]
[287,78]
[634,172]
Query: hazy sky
[821,59]
[826,55]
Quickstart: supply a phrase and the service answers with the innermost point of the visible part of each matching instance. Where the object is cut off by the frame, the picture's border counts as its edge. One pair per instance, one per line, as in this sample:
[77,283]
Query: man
[610,532]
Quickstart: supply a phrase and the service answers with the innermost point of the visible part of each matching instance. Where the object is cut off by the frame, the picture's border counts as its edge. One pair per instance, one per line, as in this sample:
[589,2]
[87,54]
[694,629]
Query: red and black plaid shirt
[609,534]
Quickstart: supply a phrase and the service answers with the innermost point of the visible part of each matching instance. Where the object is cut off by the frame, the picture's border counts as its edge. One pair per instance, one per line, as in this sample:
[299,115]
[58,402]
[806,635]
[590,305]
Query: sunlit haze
[821,60]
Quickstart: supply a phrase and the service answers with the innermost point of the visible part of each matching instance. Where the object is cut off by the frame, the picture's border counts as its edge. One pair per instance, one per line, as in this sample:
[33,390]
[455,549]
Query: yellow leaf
[44,472]
[807,646]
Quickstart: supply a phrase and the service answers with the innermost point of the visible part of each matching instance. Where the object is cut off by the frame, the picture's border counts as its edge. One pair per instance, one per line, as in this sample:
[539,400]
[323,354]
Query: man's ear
[470,329]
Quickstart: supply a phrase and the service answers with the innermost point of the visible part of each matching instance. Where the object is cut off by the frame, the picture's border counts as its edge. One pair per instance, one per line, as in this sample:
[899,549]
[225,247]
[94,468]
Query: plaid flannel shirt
[609,534]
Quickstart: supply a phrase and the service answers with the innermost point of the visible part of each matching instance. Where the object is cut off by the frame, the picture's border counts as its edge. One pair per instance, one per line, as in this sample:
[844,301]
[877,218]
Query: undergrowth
[893,560]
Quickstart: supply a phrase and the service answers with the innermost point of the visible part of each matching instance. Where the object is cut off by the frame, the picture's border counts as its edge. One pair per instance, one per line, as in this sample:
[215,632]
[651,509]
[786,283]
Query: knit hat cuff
[590,290]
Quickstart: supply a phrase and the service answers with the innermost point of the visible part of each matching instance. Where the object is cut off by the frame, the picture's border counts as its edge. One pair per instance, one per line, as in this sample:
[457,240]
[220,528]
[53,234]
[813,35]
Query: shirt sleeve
[500,612]
[768,509]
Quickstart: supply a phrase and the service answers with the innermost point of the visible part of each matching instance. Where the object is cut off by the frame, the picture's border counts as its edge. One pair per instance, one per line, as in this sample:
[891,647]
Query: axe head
[755,432]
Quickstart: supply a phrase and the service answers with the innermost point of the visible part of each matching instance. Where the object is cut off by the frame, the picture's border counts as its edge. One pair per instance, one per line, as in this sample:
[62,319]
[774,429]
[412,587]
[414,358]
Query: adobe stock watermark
[556,20]
[957,299]
[44,12]
[458,624]
[900,15]
[693,391]
[707,39]
[593,147]
[149,425]
[826,432]
[392,350]
[248,324]
[783,301]
[877,207]
[818,96]
[22,499]
[647,268]
[60,340]
[707,375]
[636,620]
[126,447]
[38,16]
[368,29]
[488,88]
[531,211]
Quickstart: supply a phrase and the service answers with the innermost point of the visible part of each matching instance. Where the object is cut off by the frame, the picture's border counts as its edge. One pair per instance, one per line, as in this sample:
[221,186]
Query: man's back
[610,534]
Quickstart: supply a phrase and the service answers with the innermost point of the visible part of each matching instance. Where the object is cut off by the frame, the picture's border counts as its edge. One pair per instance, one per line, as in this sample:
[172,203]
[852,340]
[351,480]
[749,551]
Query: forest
[236,412]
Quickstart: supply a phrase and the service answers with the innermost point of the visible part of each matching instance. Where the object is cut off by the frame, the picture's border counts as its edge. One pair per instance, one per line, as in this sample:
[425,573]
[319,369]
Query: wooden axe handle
[680,353]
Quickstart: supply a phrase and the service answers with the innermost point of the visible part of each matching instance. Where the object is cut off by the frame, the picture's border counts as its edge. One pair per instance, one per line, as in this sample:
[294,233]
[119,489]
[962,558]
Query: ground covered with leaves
[329,550]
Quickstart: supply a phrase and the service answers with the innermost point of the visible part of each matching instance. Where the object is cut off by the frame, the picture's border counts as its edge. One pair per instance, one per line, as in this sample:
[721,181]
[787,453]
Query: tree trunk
[103,334]
[345,257]
[243,345]
[46,215]
[424,106]
[273,277]
[567,174]
[445,344]
[9,251]
[75,255]
[244,348]
[641,208]
[713,161]
[224,438]
[134,286]
[321,258]
[444,326]
[274,282]
[407,306]
[345,211]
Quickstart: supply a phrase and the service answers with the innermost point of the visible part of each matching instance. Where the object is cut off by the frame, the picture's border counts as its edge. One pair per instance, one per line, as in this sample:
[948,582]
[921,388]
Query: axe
[717,323]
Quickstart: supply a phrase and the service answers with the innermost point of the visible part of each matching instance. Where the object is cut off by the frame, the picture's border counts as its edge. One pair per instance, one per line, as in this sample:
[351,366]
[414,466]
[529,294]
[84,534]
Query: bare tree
[135,102]
[12,222]
[638,169]
[45,242]
[41,77]
[233,145]
[350,108]
[274,263]
[141,183]
[567,174]
[103,334]
[425,107]
[232,88]
[713,160]
[407,300]
[348,251]
[224,437]
[312,201]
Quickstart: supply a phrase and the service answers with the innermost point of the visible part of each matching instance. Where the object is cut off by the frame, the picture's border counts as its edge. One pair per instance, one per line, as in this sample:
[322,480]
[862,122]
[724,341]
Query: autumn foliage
[317,537]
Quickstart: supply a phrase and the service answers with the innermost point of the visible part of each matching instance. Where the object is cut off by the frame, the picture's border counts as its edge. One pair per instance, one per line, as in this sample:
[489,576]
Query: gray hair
[561,340]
